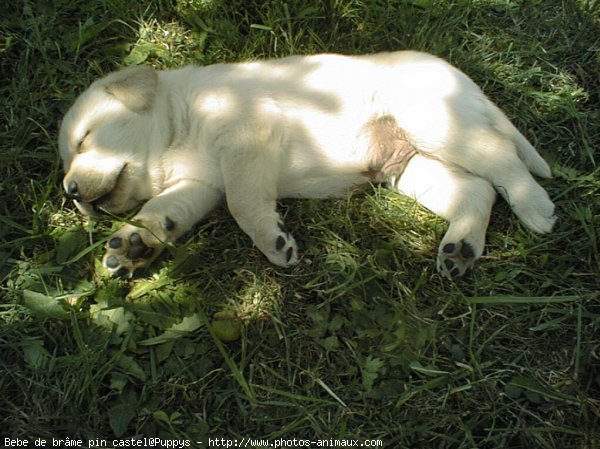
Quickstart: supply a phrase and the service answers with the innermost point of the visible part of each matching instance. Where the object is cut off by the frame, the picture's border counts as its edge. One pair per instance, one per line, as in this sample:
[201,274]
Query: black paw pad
[467,250]
[135,239]
[452,268]
[137,248]
[449,248]
[121,272]
[112,262]
[115,243]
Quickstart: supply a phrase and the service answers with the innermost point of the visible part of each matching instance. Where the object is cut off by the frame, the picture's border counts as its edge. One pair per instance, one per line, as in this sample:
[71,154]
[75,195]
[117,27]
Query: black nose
[73,191]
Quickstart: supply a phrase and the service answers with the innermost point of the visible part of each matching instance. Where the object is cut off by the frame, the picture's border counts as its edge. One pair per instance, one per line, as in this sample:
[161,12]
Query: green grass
[363,339]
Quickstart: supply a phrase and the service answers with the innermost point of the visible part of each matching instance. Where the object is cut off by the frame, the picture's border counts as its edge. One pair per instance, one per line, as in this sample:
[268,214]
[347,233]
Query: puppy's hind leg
[251,177]
[496,151]
[527,199]
[461,198]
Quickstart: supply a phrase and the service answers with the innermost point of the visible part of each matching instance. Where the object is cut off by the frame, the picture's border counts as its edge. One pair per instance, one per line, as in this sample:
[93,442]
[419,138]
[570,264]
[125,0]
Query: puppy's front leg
[251,177]
[162,220]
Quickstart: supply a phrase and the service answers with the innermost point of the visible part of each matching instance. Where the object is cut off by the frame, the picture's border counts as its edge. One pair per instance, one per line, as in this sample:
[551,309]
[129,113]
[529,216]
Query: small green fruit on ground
[227,326]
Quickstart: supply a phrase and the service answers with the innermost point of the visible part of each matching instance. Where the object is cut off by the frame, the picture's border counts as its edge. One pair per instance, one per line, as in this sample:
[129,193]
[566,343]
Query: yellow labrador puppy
[178,141]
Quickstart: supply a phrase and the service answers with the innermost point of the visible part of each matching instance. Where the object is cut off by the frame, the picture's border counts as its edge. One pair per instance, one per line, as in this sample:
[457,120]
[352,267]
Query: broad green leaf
[119,417]
[34,352]
[164,350]
[45,306]
[185,327]
[370,371]
[161,416]
[138,55]
[118,381]
[337,323]
[330,343]
[143,287]
[69,244]
[141,52]
[117,318]
[131,367]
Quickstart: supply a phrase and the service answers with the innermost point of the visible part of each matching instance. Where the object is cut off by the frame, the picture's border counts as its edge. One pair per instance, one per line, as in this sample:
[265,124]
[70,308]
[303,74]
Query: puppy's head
[103,142]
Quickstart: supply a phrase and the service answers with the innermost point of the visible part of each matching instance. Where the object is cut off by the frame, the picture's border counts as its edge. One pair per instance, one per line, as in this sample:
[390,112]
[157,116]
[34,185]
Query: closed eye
[80,143]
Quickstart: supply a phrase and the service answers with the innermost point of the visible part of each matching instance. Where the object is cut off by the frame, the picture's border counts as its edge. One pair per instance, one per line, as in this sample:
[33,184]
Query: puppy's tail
[527,152]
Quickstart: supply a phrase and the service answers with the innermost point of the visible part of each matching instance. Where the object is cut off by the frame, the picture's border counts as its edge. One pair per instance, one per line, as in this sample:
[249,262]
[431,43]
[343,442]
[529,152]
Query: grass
[362,339]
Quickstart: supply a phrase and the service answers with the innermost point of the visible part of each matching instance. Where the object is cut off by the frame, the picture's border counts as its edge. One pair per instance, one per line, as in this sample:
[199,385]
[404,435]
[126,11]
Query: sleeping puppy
[176,142]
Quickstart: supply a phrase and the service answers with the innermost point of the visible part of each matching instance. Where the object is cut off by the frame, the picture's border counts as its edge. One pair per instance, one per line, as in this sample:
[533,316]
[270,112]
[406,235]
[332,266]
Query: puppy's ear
[135,87]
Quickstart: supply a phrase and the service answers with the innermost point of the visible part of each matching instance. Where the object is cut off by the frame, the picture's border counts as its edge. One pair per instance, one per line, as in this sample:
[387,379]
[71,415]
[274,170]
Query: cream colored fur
[176,142]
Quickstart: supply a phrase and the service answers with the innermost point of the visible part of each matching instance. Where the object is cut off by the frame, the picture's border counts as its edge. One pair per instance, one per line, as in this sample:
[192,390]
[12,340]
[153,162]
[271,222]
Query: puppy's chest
[187,163]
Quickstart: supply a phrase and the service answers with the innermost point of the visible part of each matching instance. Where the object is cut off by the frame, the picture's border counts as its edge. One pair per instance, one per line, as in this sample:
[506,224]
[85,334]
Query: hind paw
[456,258]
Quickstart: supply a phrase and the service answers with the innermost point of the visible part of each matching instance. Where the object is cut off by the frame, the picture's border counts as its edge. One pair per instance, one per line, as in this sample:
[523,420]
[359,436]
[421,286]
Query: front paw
[134,248]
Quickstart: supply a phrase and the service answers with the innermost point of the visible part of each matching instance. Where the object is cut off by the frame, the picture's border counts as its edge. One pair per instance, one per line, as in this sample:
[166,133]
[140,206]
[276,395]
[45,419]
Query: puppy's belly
[322,186]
